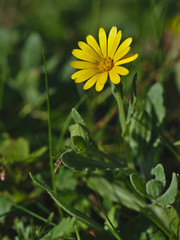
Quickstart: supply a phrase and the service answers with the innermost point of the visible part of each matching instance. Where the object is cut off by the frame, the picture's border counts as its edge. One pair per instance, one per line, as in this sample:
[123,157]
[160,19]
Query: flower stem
[49,126]
[117,92]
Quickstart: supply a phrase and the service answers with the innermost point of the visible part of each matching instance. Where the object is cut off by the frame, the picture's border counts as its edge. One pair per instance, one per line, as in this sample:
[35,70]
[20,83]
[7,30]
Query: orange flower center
[105,64]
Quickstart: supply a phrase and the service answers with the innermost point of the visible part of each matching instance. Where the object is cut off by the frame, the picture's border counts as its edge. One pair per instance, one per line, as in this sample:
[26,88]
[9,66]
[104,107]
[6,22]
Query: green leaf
[82,146]
[154,188]
[139,184]
[63,229]
[152,234]
[33,45]
[72,212]
[115,193]
[159,174]
[169,196]
[77,117]
[65,179]
[5,203]
[76,161]
[174,219]
[16,150]
[78,130]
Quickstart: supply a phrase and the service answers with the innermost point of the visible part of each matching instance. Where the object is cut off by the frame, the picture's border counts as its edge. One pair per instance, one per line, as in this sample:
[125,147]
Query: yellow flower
[103,60]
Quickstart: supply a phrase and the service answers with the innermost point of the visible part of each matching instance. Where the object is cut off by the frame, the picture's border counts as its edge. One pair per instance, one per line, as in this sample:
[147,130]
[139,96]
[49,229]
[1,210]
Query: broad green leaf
[128,198]
[77,117]
[138,184]
[169,196]
[159,174]
[5,203]
[16,150]
[33,45]
[115,193]
[103,187]
[76,161]
[154,188]
[72,212]
[63,229]
[174,219]
[65,179]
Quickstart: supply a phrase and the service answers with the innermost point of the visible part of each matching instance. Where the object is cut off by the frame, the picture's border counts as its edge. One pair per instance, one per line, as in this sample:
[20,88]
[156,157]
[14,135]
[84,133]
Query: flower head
[103,60]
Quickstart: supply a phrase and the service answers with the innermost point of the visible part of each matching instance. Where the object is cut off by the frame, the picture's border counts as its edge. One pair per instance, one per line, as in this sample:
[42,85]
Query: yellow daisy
[103,60]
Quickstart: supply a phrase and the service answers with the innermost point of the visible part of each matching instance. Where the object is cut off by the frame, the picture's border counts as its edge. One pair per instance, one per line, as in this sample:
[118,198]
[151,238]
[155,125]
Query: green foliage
[33,44]
[6,203]
[17,150]
[169,196]
[73,160]
[154,188]
[62,231]
[73,212]
[112,181]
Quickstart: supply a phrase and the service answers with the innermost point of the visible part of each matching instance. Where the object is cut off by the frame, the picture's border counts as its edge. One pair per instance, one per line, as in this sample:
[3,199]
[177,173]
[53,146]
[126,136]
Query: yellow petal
[114,77]
[111,38]
[103,78]
[115,44]
[101,81]
[126,59]
[82,75]
[87,49]
[91,82]
[103,41]
[83,56]
[123,45]
[83,65]
[93,43]
[121,70]
[99,87]
[121,54]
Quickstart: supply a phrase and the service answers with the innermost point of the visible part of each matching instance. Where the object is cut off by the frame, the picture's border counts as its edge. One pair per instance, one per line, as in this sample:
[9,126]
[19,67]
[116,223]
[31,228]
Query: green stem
[49,126]
[118,96]
[117,92]
[158,222]
[111,226]
[77,232]
[33,214]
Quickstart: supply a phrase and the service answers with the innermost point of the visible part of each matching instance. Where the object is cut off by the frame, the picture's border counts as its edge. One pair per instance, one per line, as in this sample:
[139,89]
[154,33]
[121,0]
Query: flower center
[105,64]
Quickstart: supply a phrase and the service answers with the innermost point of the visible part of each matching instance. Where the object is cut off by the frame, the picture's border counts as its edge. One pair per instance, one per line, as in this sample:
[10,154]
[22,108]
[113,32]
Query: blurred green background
[27,27]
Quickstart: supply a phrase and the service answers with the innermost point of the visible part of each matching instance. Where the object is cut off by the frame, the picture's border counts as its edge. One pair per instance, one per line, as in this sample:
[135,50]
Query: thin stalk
[168,145]
[66,124]
[111,226]
[156,220]
[34,214]
[77,232]
[118,96]
[117,92]
[49,126]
